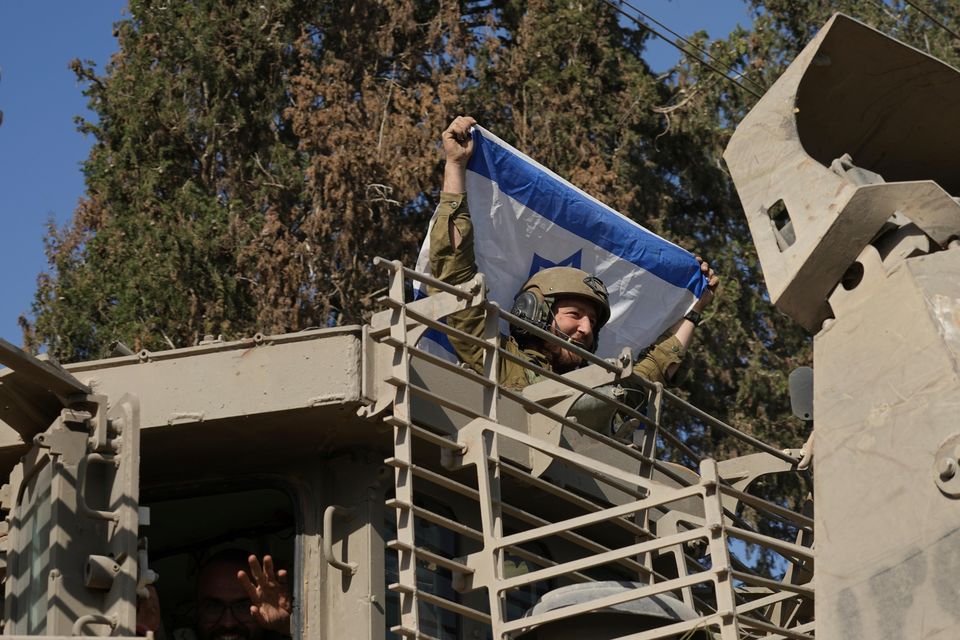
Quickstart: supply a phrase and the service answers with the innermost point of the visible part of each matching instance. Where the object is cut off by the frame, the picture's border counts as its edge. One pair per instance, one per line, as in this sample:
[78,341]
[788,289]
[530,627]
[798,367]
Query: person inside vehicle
[237,597]
[565,301]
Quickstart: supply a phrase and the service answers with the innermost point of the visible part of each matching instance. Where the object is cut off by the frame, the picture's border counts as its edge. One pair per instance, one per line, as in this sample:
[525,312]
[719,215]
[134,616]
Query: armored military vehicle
[410,497]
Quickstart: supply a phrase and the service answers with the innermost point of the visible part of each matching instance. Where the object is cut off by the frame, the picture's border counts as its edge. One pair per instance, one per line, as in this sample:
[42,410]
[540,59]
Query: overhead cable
[934,19]
[650,18]
[705,63]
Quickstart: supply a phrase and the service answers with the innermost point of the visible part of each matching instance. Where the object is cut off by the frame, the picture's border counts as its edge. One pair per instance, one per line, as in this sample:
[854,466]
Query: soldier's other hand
[713,284]
[270,603]
[457,141]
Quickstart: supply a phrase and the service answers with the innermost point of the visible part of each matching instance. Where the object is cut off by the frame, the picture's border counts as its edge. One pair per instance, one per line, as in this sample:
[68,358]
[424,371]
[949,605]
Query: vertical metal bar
[491,357]
[648,446]
[648,439]
[403,452]
[482,450]
[719,551]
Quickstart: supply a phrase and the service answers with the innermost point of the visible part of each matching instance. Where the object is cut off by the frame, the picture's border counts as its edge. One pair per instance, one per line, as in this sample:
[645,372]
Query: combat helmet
[535,300]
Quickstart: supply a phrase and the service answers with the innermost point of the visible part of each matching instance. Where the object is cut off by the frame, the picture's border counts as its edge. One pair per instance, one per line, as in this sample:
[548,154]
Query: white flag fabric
[527,218]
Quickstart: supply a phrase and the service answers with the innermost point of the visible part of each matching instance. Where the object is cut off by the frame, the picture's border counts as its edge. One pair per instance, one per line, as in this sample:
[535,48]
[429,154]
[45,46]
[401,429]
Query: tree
[191,155]
[251,160]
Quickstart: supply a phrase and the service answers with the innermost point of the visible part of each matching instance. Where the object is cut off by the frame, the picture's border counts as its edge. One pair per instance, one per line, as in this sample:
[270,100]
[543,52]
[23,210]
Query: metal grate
[529,516]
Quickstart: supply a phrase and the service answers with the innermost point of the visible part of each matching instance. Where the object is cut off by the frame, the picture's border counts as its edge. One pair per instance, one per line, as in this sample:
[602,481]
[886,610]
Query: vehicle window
[188,530]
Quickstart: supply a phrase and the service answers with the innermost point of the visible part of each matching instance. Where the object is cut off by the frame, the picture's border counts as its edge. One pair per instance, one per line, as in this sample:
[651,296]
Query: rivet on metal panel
[945,467]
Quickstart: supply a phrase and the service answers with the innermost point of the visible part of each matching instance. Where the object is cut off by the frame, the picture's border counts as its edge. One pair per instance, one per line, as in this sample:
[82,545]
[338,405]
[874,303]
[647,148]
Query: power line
[673,44]
[934,20]
[693,44]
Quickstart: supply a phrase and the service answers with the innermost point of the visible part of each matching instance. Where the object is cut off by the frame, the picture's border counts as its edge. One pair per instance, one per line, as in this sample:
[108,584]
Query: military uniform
[456,266]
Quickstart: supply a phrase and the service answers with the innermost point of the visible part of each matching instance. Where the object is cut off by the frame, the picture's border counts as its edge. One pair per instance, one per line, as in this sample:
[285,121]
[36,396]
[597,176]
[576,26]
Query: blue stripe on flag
[560,203]
[435,334]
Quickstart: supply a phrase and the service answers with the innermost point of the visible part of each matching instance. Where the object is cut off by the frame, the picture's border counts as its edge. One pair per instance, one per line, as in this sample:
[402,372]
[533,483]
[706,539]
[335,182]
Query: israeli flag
[527,218]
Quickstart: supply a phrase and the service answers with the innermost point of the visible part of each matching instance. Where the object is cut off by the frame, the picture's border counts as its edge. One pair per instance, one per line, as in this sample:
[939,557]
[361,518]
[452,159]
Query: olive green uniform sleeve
[456,266]
[652,363]
[453,266]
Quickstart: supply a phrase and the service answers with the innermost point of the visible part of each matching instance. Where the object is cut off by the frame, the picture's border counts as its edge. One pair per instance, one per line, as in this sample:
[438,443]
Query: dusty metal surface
[538,500]
[72,565]
[857,140]
[888,524]
[260,375]
[852,90]
[245,379]
[412,476]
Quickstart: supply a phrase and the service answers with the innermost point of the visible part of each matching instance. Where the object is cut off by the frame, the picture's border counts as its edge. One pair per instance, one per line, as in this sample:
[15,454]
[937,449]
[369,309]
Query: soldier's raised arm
[457,149]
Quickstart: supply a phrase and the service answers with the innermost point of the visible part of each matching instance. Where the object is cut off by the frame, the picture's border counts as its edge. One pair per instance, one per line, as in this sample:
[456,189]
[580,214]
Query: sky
[41,152]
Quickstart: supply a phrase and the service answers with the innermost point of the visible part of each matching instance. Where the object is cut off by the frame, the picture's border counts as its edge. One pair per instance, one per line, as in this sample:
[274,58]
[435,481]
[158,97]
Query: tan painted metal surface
[858,139]
[852,90]
[888,538]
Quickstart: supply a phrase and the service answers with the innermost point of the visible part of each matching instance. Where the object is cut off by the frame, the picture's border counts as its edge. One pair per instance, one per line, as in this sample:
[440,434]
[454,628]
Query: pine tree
[250,160]
[191,154]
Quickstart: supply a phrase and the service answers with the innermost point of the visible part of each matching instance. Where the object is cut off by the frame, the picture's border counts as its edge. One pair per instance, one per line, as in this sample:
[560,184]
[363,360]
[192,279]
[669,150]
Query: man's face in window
[223,607]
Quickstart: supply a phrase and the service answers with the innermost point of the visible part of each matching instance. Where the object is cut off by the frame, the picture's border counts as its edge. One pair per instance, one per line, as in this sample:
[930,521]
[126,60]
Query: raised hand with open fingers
[270,602]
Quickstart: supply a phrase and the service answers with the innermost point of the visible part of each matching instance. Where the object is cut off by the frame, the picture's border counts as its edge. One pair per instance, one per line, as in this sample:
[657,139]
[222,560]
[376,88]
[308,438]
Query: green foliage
[190,156]
[251,159]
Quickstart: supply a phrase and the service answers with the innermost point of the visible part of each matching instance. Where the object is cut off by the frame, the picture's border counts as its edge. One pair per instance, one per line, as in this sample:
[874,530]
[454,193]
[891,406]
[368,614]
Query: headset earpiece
[530,307]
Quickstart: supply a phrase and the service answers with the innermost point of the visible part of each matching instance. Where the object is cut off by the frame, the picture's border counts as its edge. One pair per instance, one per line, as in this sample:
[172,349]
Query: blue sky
[41,152]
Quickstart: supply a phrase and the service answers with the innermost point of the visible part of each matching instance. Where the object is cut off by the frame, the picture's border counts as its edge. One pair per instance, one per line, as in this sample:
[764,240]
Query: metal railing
[597,508]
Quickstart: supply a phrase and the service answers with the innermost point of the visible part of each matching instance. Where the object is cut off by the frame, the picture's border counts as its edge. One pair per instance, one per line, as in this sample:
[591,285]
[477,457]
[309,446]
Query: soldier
[563,300]
[236,603]
[237,597]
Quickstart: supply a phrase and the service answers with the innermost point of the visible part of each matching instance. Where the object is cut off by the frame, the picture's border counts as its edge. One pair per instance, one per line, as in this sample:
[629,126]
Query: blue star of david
[539,262]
